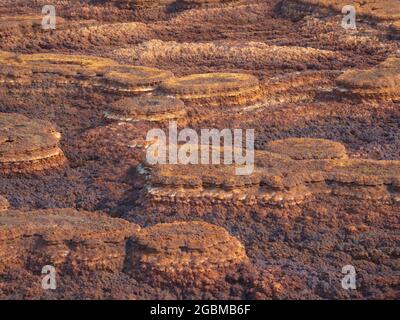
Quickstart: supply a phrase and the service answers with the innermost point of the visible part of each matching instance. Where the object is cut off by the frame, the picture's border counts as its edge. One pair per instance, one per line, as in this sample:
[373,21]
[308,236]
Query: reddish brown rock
[298,170]
[78,70]
[28,145]
[308,149]
[25,21]
[133,79]
[377,9]
[380,83]
[147,108]
[185,253]
[64,238]
[4,205]
[249,54]
[214,89]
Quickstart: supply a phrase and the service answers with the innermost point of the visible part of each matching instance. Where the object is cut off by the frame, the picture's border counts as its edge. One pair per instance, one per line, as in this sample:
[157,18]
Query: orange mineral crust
[28,144]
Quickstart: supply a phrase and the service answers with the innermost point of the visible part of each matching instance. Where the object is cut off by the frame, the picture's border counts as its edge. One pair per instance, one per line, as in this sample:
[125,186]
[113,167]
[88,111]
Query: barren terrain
[76,192]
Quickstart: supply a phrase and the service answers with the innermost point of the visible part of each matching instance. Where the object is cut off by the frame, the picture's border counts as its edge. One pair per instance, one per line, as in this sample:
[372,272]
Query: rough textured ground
[302,64]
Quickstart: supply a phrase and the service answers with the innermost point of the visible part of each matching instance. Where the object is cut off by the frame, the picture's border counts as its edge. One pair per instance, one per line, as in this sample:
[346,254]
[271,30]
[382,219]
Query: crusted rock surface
[4,205]
[64,238]
[381,82]
[28,144]
[186,253]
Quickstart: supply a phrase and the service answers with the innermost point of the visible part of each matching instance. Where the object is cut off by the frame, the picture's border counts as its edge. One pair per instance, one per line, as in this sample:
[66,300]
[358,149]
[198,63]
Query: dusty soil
[297,50]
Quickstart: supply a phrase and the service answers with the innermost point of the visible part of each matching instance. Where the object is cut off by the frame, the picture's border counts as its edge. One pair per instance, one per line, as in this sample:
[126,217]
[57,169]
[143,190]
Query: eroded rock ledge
[214,89]
[65,238]
[146,108]
[41,70]
[381,10]
[288,172]
[4,205]
[182,253]
[28,145]
[185,253]
[381,82]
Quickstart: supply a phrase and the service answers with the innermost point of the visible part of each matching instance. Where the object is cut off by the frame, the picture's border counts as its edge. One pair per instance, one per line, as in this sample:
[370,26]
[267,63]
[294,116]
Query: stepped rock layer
[185,253]
[248,55]
[64,238]
[28,145]
[137,4]
[147,108]
[378,9]
[395,28]
[344,210]
[24,21]
[147,4]
[307,149]
[4,205]
[381,82]
[214,89]
[84,71]
[321,167]
[133,79]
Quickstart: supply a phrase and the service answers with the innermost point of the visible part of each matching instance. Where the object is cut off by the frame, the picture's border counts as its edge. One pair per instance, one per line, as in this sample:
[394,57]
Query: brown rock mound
[147,108]
[246,55]
[365,179]
[196,3]
[396,26]
[27,21]
[133,79]
[214,89]
[365,172]
[184,4]
[4,205]
[381,82]
[28,145]
[186,253]
[83,71]
[378,9]
[298,173]
[308,149]
[64,238]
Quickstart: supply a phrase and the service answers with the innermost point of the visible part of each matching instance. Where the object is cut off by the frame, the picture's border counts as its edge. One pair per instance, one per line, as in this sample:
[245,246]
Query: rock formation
[146,108]
[133,79]
[185,253]
[217,88]
[28,145]
[183,4]
[308,149]
[4,205]
[377,9]
[64,238]
[309,206]
[83,71]
[240,54]
[381,82]
[294,171]
[15,22]
[396,26]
